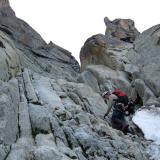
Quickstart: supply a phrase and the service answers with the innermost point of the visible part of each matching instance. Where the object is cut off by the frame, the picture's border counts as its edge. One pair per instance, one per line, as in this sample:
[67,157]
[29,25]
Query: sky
[69,23]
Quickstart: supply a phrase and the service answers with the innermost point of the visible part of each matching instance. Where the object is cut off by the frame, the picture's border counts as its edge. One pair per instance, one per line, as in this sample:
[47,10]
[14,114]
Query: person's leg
[117,124]
[125,128]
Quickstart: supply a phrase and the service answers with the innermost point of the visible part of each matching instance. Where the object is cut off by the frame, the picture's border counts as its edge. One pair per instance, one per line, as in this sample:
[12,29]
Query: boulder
[102,50]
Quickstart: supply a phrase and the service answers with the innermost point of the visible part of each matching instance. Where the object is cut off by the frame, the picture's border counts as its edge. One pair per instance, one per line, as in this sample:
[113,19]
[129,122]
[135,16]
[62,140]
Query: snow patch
[149,122]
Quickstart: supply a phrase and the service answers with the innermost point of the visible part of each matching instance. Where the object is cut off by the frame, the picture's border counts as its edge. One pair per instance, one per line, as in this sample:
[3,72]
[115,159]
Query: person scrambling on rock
[119,101]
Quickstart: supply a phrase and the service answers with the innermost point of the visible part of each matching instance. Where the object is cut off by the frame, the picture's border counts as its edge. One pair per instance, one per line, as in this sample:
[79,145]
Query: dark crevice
[52,130]
[7,31]
[139,100]
[72,157]
[83,150]
[127,39]
[32,130]
[158,28]
[87,104]
[8,153]
[68,141]
[38,131]
[24,86]
[158,41]
[19,128]
[37,103]
[134,48]
[2,45]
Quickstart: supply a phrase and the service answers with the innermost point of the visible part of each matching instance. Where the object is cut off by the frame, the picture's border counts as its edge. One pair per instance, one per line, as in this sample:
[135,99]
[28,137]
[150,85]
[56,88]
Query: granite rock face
[48,110]
[104,50]
[145,55]
[65,121]
[34,53]
[9,60]
[125,60]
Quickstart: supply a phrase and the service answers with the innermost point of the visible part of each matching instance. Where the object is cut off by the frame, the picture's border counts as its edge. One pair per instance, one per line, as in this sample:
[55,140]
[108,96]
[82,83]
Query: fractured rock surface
[51,111]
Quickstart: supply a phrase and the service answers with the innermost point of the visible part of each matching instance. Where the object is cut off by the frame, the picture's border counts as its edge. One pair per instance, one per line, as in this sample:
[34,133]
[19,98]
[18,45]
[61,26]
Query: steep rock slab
[90,100]
[9,100]
[9,60]
[35,54]
[67,123]
[146,56]
[122,29]
[31,95]
[103,50]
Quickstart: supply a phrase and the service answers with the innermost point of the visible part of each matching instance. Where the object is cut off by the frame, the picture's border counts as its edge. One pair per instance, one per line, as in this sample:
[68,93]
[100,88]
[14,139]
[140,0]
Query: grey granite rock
[103,50]
[146,56]
[45,113]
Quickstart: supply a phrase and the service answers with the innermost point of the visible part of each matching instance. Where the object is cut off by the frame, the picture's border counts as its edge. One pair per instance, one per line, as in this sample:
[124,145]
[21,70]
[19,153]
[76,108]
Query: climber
[119,101]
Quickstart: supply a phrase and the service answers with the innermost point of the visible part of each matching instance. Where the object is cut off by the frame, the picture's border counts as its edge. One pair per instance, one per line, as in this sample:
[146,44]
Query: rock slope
[50,111]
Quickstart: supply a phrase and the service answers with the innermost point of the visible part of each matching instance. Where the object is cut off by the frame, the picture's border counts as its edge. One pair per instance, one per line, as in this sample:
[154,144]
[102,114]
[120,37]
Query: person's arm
[133,95]
[108,110]
[110,103]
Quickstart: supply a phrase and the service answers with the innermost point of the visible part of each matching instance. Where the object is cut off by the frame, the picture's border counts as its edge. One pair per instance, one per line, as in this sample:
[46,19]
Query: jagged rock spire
[5,8]
[4,3]
[122,29]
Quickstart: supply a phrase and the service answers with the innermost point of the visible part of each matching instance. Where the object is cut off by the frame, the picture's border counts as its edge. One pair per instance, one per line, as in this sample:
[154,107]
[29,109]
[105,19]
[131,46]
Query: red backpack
[122,97]
[119,93]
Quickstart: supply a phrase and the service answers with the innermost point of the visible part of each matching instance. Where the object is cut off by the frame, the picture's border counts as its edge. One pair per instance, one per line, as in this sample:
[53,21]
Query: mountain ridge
[49,109]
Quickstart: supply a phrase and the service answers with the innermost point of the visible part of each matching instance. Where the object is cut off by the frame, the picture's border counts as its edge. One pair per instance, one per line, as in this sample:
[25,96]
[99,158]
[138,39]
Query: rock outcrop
[5,9]
[34,53]
[110,49]
[145,55]
[48,110]
[127,60]
[122,29]
[103,50]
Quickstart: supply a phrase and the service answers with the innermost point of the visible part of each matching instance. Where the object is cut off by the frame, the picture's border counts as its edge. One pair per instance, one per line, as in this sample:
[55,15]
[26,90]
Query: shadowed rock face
[4,3]
[122,29]
[5,9]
